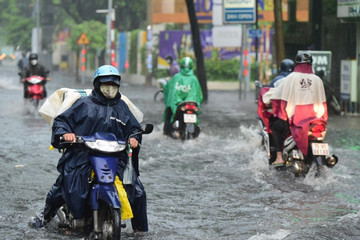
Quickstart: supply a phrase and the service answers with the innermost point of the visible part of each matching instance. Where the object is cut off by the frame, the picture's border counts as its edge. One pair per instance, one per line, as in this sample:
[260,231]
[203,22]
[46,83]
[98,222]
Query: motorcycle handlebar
[147,130]
[78,140]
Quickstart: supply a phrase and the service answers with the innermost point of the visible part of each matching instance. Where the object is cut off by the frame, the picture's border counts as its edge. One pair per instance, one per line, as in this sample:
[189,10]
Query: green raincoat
[183,86]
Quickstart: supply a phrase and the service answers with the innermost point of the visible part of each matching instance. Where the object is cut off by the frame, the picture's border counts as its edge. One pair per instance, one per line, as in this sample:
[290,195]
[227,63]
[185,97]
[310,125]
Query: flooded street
[218,186]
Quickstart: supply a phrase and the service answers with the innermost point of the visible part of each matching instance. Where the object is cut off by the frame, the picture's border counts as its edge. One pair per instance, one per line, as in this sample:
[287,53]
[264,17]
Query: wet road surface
[218,186]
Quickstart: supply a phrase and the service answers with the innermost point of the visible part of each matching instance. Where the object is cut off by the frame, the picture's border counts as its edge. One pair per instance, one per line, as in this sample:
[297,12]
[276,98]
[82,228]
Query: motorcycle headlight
[106,146]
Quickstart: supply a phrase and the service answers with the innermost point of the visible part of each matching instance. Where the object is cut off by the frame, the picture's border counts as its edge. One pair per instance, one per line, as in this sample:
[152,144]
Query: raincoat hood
[99,96]
[184,86]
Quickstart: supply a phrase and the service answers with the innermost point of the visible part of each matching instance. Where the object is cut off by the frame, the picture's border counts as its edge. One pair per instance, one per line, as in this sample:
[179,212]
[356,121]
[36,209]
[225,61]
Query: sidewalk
[211,85]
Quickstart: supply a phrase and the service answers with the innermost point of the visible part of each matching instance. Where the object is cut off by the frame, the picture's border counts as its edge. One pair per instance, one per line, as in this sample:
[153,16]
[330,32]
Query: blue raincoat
[86,116]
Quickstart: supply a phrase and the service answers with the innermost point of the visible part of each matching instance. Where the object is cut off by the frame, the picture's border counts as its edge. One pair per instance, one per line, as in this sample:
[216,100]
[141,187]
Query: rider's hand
[268,105]
[69,137]
[134,143]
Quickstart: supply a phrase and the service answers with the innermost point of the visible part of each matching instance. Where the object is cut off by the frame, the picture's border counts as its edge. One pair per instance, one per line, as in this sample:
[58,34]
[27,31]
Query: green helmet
[186,62]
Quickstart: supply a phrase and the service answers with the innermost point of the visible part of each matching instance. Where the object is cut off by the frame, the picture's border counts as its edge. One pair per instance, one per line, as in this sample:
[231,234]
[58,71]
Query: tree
[130,14]
[95,31]
[279,33]
[200,65]
[16,19]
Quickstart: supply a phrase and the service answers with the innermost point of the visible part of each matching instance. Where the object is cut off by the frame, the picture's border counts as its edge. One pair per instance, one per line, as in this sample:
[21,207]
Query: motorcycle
[105,220]
[159,95]
[331,98]
[185,121]
[298,163]
[34,87]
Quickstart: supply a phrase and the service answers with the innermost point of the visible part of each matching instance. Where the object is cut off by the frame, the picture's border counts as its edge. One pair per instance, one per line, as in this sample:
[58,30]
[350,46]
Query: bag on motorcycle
[129,171]
[126,212]
[63,98]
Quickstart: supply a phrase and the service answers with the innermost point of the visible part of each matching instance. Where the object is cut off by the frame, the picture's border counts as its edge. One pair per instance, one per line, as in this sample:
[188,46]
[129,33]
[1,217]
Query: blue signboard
[122,51]
[239,11]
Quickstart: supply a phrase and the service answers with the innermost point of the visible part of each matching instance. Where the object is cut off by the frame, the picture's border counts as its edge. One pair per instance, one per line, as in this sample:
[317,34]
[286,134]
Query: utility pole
[149,56]
[279,33]
[38,24]
[36,32]
[110,34]
[197,48]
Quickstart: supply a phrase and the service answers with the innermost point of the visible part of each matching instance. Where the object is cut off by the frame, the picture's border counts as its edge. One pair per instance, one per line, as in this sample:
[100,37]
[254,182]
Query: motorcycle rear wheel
[110,222]
[334,103]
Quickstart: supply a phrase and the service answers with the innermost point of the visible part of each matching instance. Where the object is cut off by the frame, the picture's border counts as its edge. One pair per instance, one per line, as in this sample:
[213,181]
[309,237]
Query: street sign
[83,40]
[255,33]
[226,36]
[239,11]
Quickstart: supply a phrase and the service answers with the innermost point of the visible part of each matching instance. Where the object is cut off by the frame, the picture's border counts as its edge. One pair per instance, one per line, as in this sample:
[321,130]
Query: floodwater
[217,186]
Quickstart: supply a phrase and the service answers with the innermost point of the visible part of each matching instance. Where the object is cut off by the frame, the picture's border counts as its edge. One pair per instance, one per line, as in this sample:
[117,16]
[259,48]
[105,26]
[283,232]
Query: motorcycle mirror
[258,83]
[148,128]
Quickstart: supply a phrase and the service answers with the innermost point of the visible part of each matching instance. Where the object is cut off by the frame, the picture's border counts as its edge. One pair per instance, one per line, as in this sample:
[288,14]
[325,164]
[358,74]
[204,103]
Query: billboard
[178,44]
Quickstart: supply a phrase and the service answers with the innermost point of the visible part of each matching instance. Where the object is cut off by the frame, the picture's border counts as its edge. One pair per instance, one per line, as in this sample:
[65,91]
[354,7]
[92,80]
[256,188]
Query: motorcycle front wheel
[159,96]
[110,222]
[35,102]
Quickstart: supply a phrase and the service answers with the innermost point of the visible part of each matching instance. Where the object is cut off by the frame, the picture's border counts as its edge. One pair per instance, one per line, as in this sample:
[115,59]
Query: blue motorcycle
[105,220]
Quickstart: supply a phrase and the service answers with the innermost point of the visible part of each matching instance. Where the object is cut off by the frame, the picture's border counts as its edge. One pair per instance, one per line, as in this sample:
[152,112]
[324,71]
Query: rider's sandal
[275,164]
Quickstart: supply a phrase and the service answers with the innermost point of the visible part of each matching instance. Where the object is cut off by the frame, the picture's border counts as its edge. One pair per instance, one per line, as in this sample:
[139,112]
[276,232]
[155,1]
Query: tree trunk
[200,65]
[279,33]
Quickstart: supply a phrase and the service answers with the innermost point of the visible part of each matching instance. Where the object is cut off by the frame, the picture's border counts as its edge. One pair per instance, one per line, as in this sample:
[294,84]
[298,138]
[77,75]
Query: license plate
[320,149]
[189,118]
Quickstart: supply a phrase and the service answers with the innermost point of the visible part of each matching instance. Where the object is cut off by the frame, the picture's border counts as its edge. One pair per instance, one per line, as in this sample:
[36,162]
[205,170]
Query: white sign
[345,79]
[217,13]
[348,8]
[239,11]
[226,36]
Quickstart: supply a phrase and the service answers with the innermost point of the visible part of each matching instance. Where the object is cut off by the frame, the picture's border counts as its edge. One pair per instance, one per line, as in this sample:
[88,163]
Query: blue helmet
[107,73]
[287,65]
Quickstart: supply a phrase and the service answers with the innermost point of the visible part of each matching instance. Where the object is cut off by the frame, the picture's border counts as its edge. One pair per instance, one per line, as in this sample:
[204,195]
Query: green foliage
[18,29]
[133,51]
[330,7]
[128,14]
[222,70]
[95,31]
[161,73]
[143,59]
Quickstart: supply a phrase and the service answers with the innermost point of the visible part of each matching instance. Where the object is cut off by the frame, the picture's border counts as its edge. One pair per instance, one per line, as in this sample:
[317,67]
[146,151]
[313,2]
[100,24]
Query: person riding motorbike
[102,111]
[34,68]
[183,86]
[298,100]
[174,66]
[286,67]
[23,62]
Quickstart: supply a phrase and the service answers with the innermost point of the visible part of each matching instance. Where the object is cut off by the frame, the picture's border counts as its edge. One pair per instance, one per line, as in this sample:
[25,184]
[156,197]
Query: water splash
[278,235]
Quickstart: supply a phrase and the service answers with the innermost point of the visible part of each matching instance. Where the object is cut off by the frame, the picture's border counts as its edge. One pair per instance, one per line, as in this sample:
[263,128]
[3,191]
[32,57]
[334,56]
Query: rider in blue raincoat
[102,111]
